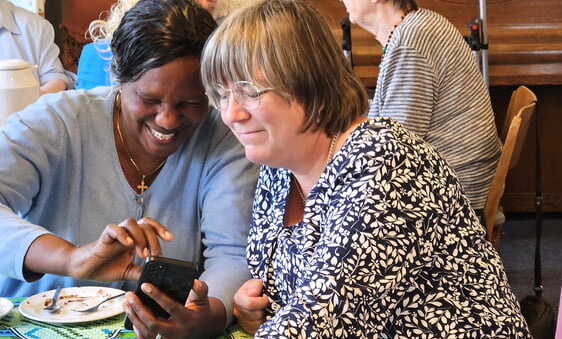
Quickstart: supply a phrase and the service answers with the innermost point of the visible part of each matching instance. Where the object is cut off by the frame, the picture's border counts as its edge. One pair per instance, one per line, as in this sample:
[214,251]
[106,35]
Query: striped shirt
[430,81]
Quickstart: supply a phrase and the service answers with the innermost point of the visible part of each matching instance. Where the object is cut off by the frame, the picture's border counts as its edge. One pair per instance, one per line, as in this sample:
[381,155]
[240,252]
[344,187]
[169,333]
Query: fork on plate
[96,306]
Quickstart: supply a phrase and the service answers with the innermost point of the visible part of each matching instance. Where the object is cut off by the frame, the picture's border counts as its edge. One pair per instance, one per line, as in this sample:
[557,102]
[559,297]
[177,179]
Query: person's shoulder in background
[33,39]
[24,20]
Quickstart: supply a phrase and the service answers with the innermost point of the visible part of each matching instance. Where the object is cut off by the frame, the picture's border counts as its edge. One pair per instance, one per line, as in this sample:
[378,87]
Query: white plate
[69,298]
[5,307]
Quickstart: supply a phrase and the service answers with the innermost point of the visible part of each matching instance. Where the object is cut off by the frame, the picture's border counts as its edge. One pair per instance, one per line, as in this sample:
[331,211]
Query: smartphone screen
[172,276]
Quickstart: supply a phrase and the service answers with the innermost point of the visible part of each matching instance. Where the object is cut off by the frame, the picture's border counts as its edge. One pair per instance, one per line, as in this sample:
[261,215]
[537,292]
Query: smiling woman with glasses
[359,228]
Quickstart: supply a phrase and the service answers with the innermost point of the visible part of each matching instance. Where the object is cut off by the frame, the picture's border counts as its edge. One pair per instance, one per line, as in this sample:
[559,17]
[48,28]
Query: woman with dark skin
[148,152]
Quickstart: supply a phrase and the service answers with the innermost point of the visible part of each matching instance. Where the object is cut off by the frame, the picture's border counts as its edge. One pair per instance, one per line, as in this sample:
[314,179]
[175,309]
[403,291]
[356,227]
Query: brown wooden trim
[525,202]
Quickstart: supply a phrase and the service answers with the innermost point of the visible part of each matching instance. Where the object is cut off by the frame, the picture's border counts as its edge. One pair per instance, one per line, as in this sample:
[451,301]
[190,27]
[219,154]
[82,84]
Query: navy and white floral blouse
[388,248]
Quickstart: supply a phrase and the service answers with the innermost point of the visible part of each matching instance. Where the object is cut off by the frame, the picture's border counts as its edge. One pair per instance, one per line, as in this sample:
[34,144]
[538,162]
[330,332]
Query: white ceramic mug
[18,87]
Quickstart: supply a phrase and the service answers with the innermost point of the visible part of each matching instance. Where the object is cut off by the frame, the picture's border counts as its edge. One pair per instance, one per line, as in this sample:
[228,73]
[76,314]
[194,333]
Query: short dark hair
[155,32]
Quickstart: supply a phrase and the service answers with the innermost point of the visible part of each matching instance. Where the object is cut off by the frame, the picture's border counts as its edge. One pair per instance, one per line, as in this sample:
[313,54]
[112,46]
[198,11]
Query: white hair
[104,29]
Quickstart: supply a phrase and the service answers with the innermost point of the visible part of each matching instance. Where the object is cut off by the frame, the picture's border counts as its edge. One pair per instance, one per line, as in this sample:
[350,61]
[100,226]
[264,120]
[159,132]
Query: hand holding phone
[172,276]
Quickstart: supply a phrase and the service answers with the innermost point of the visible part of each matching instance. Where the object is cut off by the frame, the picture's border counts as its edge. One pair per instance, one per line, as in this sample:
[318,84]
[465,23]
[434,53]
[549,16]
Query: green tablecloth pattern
[15,325]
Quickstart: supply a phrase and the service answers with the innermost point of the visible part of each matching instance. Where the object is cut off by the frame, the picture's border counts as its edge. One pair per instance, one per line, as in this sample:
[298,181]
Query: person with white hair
[430,82]
[95,59]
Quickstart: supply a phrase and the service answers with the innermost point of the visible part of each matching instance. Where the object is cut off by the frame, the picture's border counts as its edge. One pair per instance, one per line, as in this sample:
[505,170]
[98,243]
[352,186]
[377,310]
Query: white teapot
[18,86]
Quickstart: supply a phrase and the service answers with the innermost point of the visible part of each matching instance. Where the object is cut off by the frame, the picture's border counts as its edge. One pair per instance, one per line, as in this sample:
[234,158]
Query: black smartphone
[172,276]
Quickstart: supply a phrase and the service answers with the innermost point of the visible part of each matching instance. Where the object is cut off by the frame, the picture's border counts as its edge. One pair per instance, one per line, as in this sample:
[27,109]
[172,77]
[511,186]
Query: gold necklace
[142,186]
[330,155]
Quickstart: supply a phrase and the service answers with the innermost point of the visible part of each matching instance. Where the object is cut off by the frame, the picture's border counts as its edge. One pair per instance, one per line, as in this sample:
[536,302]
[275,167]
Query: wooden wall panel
[524,38]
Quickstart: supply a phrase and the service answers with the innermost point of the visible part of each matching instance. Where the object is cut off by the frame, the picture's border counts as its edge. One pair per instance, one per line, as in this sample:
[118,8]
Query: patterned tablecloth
[15,325]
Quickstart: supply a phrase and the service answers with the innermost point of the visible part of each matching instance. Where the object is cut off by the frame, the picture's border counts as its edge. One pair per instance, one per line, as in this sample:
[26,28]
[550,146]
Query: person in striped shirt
[430,82]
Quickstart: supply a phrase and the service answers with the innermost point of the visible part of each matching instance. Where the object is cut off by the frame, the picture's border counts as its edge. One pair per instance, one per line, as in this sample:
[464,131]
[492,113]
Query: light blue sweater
[59,173]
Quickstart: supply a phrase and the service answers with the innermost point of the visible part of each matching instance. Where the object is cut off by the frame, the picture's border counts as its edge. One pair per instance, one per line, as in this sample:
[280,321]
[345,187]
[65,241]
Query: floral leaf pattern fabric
[388,248]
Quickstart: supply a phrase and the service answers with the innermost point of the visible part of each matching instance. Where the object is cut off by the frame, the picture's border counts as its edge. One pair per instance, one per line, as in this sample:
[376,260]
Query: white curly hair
[103,29]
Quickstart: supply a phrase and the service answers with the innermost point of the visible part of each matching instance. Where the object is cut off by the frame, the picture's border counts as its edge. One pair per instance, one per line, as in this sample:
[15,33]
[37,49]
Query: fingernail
[146,288]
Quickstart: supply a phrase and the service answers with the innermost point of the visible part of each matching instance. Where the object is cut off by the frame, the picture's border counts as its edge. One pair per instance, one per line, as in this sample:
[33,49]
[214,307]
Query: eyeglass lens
[245,93]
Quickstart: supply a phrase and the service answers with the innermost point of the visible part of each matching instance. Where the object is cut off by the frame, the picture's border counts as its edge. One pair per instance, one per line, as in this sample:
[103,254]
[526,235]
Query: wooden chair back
[522,107]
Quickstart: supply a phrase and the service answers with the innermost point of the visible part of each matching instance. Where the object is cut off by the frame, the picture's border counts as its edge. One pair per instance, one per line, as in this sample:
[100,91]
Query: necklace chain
[385,47]
[330,155]
[142,186]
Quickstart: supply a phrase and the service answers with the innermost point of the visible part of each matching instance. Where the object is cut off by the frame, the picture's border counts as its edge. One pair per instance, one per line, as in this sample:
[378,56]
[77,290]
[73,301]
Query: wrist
[49,254]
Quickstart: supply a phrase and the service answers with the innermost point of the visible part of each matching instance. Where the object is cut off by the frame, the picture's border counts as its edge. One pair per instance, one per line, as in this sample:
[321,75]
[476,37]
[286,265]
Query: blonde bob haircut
[286,45]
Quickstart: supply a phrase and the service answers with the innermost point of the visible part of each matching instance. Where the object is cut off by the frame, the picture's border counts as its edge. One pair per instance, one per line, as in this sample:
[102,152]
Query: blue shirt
[94,65]
[26,35]
[60,173]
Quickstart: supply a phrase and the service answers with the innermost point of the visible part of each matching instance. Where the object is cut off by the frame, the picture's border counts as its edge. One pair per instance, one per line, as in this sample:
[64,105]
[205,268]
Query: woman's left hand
[200,317]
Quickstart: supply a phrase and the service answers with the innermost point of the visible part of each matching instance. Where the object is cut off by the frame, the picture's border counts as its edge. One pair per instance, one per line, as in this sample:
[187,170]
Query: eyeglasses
[245,93]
